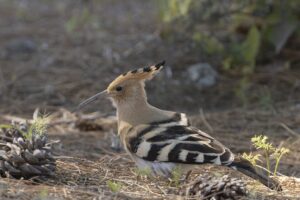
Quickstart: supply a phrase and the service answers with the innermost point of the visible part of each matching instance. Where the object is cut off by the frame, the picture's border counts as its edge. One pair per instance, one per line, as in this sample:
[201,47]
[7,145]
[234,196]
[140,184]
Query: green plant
[171,9]
[210,44]
[249,31]
[270,152]
[244,54]
[38,127]
[260,142]
[252,158]
[278,155]
[5,126]
[43,194]
[114,186]
[29,145]
[176,174]
[146,172]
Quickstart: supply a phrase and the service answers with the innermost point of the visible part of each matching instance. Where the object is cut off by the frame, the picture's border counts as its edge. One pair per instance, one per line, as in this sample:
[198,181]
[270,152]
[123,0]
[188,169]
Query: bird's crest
[145,73]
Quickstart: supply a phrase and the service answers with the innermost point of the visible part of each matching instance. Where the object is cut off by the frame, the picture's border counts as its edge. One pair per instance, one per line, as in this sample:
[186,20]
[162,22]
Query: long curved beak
[90,100]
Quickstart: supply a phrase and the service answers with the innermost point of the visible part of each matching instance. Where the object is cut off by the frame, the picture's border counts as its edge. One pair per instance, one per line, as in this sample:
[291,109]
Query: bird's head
[128,87]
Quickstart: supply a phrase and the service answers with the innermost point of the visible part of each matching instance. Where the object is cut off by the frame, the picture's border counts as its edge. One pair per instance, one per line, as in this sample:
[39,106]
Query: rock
[202,75]
[20,47]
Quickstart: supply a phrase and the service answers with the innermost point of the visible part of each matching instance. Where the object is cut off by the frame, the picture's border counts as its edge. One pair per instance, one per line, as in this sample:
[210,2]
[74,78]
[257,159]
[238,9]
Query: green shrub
[260,142]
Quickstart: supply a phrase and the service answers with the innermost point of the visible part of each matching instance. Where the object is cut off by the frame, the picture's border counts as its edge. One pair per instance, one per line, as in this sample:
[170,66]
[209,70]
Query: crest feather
[145,73]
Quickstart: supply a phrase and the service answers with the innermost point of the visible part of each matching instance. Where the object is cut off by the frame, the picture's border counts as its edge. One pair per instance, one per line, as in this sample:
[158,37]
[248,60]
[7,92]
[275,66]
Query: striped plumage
[175,141]
[161,140]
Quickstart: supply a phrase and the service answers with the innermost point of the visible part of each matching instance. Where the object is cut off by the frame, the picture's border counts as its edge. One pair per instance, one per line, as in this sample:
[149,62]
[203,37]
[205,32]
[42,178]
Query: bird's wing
[176,143]
[176,119]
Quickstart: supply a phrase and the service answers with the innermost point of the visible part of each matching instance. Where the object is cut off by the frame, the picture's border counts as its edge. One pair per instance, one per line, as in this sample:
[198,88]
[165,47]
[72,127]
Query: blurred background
[221,54]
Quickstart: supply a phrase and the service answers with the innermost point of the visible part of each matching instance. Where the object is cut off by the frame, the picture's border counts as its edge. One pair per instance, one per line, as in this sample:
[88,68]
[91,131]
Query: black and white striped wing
[178,144]
[176,119]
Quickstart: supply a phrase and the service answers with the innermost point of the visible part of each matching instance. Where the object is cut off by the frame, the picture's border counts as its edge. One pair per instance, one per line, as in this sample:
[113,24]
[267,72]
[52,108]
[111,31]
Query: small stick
[289,130]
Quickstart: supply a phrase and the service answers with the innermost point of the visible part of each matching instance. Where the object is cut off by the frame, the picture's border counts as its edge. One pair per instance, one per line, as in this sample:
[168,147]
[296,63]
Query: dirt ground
[54,54]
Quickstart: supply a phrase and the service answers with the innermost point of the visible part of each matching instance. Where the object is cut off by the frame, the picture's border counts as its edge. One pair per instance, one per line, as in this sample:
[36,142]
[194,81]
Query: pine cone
[208,187]
[25,153]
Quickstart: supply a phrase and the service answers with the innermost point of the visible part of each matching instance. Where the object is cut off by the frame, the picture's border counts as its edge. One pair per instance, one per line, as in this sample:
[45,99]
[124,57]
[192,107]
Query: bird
[162,140]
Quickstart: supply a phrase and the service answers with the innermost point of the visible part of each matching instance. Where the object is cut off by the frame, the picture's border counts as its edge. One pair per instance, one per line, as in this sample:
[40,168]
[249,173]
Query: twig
[289,130]
[161,189]
[132,183]
[16,119]
[59,122]
[187,175]
[92,116]
[105,176]
[63,157]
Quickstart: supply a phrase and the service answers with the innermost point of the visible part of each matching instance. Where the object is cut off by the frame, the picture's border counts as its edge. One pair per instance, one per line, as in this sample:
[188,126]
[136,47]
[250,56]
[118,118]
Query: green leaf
[6,126]
[250,47]
[71,24]
[227,63]
[143,172]
[252,158]
[114,186]
[172,9]
[176,175]
[210,44]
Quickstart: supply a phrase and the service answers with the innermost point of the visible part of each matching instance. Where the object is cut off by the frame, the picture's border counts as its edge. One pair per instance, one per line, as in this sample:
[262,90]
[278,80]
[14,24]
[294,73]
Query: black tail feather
[260,174]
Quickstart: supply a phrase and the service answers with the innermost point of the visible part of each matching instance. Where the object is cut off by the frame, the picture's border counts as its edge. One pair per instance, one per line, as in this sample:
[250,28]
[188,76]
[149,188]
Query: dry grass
[85,179]
[86,161]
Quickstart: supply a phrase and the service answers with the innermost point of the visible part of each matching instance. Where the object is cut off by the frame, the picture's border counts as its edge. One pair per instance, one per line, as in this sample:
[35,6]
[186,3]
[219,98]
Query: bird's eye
[119,88]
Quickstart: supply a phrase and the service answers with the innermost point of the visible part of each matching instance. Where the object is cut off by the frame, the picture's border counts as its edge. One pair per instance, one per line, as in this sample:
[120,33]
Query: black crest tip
[134,71]
[158,65]
[147,69]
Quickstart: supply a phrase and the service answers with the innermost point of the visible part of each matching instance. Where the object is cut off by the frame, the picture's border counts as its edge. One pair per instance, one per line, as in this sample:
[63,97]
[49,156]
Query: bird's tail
[257,173]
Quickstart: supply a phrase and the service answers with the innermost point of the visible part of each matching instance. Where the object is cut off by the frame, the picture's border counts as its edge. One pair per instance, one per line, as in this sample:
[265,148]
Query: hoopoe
[162,140]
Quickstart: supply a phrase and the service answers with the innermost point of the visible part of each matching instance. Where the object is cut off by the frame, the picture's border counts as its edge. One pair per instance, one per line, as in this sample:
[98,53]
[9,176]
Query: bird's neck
[139,111]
